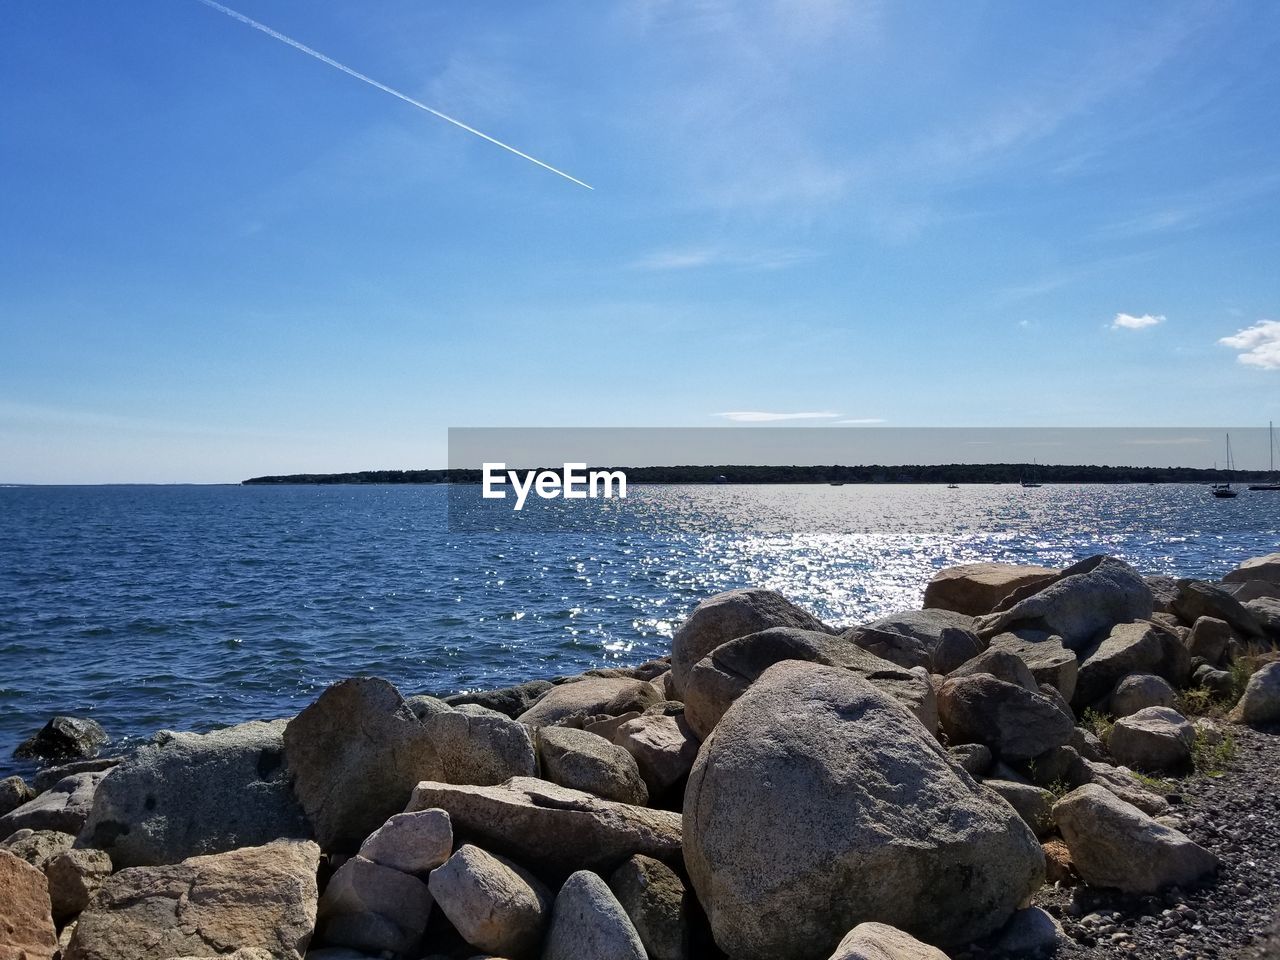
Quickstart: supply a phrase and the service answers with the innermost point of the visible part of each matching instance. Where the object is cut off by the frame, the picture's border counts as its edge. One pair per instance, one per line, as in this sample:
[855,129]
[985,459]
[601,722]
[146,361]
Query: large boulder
[497,906]
[187,794]
[584,761]
[1114,844]
[561,830]
[481,749]
[355,756]
[1257,568]
[1261,701]
[64,738]
[74,877]
[1046,657]
[570,703]
[1209,638]
[263,897]
[1267,612]
[977,588]
[64,807]
[655,898]
[370,907]
[1013,722]
[1198,598]
[664,747]
[722,676]
[1086,599]
[588,921]
[727,616]
[1138,647]
[879,941]
[415,842]
[26,924]
[1138,691]
[1155,739]
[821,801]
[938,640]
[510,701]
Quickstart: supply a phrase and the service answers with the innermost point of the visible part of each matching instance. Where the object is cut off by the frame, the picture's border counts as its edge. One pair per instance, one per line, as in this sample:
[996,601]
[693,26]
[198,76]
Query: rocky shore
[1077,762]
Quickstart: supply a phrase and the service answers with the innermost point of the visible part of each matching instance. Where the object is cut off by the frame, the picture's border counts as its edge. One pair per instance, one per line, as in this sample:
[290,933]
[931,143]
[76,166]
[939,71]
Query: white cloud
[696,257]
[761,416]
[863,420]
[1259,345]
[1126,321]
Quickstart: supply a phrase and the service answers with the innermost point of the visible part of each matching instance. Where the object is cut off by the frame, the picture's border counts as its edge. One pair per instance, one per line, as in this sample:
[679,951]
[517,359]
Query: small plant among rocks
[1097,723]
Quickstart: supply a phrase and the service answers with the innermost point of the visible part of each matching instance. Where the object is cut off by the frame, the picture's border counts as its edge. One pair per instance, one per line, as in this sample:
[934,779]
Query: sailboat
[1030,480]
[1224,491]
[1272,482]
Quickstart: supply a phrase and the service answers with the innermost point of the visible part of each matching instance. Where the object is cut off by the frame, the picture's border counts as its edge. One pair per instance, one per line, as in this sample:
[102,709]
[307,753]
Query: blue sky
[220,257]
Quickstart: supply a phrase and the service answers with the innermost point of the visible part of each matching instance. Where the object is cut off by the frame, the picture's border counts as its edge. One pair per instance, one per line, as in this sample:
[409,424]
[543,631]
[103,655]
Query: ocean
[192,607]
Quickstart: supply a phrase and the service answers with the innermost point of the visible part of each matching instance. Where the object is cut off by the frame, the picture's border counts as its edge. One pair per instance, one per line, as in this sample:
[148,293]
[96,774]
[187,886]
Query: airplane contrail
[249,21]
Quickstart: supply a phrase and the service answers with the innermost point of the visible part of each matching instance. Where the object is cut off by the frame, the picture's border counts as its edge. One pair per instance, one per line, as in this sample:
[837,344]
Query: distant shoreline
[988,473]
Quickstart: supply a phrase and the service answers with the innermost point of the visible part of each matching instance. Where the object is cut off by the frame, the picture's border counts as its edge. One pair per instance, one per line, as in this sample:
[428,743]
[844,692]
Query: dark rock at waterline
[512,701]
[64,738]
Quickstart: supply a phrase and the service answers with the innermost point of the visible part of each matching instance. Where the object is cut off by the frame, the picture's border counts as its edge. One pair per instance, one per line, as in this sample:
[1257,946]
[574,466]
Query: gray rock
[1086,744]
[977,588]
[1253,590]
[64,807]
[415,842]
[1156,739]
[727,616]
[821,800]
[38,847]
[656,901]
[1209,639]
[188,794]
[14,792]
[1029,934]
[1138,691]
[1033,804]
[975,758]
[561,830]
[495,905]
[74,877]
[1197,599]
[591,697]
[1266,610]
[724,674]
[879,941]
[424,706]
[1014,722]
[1164,590]
[584,761]
[938,640]
[355,756]
[1265,568]
[481,749]
[1139,647]
[1086,600]
[64,738]
[588,921]
[511,701]
[26,926]
[1114,844]
[46,777]
[1122,784]
[1046,657]
[1002,665]
[1261,701]
[607,726]
[371,907]
[663,745]
[258,897]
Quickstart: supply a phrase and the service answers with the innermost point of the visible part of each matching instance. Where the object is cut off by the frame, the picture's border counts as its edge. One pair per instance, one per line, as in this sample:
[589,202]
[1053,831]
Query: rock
[664,748]
[424,706]
[511,701]
[64,738]
[561,830]
[1058,867]
[1138,691]
[727,616]
[1257,568]
[64,807]
[1014,722]
[1164,590]
[584,761]
[415,842]
[999,664]
[74,877]
[481,750]
[879,941]
[938,640]
[1045,656]
[495,905]
[371,907]
[1030,933]
[1198,599]
[1122,785]
[1155,739]
[1087,599]
[47,777]
[977,588]
[1033,804]
[26,925]
[355,756]
[1266,610]
[1209,639]
[1139,647]
[822,800]
[608,726]
[1086,744]
[1114,844]
[1052,769]
[591,697]
[724,674]
[1253,590]
[975,758]
[14,792]
[588,921]
[187,794]
[38,847]
[1261,701]
[263,897]
[657,903]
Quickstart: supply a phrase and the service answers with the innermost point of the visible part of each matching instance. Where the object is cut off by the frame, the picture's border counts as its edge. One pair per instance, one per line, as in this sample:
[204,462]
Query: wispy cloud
[1190,210]
[1127,321]
[700,257]
[1259,345]
[762,416]
[863,420]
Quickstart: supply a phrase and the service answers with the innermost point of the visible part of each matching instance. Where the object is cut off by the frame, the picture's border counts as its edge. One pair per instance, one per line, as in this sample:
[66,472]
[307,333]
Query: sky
[221,257]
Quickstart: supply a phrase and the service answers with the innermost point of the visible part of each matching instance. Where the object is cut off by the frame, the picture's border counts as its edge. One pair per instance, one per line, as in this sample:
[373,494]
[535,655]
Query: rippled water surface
[191,607]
